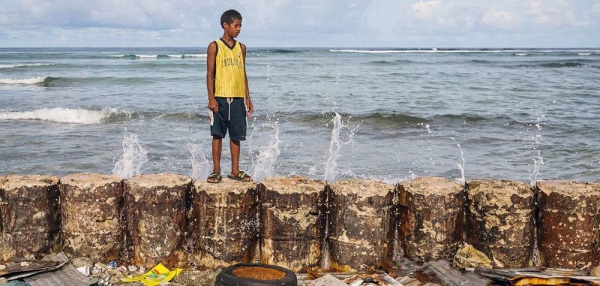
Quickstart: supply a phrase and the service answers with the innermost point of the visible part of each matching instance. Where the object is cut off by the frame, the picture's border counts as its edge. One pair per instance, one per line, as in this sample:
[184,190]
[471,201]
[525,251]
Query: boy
[228,95]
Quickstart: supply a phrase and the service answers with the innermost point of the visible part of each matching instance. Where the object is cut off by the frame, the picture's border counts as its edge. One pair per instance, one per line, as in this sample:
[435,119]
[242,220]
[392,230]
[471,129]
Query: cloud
[551,14]
[149,14]
[425,10]
[501,19]
[306,23]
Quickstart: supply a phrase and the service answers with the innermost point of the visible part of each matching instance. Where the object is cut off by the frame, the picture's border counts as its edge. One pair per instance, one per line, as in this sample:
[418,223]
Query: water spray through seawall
[267,155]
[538,161]
[335,146]
[133,158]
[462,180]
[198,161]
[537,165]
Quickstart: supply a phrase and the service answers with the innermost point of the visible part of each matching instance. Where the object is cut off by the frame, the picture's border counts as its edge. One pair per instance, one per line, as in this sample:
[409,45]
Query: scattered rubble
[57,269]
[469,257]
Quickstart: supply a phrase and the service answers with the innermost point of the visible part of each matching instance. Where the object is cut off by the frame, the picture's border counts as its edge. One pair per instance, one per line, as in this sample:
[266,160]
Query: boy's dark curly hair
[229,16]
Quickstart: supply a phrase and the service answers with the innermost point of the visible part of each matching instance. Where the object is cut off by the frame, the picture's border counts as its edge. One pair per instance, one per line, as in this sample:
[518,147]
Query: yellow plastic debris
[157,275]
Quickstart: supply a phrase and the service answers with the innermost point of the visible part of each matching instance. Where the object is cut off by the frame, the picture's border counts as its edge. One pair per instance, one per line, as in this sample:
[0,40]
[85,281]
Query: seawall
[298,221]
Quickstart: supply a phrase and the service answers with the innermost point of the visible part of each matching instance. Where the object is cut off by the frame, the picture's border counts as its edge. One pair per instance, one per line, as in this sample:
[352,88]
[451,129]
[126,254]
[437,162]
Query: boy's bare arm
[210,76]
[249,105]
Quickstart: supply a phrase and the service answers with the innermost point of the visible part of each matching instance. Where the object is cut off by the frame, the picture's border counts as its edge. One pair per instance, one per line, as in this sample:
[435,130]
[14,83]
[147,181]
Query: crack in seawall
[298,222]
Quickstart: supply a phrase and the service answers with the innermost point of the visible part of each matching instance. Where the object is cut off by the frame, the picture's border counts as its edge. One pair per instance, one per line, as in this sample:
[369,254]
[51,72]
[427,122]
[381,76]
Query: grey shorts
[231,116]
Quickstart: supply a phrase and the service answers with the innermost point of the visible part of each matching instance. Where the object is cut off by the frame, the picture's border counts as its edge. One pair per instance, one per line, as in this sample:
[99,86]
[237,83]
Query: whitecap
[147,56]
[62,115]
[8,66]
[195,55]
[433,50]
[371,51]
[33,80]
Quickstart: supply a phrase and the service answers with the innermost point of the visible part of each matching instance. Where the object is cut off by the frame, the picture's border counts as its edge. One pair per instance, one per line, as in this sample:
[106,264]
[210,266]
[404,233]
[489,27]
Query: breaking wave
[32,80]
[12,66]
[66,115]
[157,56]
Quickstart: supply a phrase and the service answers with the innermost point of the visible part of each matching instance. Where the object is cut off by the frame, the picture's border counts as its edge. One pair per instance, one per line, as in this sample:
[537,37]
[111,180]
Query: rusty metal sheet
[65,275]
[21,267]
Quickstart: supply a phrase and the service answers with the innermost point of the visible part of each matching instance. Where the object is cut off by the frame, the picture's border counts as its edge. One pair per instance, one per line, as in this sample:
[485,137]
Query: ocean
[386,114]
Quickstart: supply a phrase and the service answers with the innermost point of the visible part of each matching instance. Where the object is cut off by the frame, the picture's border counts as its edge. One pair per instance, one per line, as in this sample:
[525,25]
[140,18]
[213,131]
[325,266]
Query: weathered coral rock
[224,223]
[431,218]
[360,217]
[500,221]
[291,221]
[569,224]
[29,216]
[155,215]
[91,216]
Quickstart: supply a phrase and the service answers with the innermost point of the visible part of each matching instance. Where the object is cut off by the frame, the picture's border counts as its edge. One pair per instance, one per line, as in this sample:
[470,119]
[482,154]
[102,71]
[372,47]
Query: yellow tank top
[229,70]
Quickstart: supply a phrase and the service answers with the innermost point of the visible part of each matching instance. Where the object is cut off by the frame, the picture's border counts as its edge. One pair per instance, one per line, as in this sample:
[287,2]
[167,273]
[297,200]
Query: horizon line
[299,47]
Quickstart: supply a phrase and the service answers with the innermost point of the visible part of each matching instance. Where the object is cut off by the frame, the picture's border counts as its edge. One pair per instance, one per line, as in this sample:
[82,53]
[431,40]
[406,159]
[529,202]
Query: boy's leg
[237,133]
[234,145]
[217,147]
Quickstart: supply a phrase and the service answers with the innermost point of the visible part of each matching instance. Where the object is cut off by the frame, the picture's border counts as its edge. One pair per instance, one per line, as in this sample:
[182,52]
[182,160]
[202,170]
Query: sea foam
[147,56]
[12,66]
[195,55]
[62,115]
[33,80]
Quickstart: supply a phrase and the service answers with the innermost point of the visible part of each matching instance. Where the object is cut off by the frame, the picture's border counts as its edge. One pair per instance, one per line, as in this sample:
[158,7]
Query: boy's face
[233,29]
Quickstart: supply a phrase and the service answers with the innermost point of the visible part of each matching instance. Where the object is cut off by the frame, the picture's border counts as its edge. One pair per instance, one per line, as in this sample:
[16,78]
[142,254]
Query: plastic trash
[156,276]
[85,270]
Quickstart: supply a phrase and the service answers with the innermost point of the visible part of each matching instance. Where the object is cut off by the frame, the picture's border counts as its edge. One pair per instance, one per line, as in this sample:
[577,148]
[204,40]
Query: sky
[306,23]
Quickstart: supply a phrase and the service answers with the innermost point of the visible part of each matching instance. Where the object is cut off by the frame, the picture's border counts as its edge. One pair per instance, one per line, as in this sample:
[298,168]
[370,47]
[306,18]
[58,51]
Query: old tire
[251,274]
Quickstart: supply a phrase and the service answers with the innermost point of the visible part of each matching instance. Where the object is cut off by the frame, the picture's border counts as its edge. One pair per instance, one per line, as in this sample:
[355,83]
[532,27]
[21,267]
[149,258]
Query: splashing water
[331,166]
[462,179]
[198,161]
[267,155]
[331,169]
[428,130]
[133,158]
[537,165]
[538,161]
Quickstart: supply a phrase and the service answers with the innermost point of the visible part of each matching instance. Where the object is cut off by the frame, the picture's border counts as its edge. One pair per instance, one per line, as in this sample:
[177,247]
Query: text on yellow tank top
[229,70]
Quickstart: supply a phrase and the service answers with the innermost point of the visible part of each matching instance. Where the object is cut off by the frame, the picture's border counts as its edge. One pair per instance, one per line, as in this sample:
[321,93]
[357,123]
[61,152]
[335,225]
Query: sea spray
[133,158]
[263,163]
[199,162]
[537,165]
[265,155]
[335,146]
[538,161]
[462,179]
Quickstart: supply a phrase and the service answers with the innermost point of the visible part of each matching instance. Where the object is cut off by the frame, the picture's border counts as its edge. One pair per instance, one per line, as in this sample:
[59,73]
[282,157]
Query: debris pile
[58,269]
